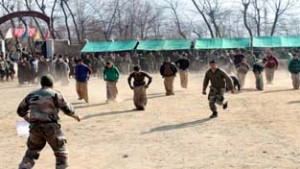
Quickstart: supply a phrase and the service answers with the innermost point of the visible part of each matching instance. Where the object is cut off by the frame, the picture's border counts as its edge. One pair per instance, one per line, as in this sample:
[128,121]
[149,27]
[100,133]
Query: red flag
[18,32]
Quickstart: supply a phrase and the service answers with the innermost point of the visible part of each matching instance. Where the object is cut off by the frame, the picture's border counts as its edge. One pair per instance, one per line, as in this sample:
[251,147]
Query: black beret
[47,81]
[212,61]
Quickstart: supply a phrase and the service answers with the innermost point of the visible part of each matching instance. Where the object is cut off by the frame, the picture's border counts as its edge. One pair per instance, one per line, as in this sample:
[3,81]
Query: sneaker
[225,105]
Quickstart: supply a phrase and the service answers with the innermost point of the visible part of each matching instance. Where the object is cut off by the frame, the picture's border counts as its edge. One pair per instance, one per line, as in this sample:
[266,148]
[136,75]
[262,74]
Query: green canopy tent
[226,43]
[164,45]
[277,42]
[108,46]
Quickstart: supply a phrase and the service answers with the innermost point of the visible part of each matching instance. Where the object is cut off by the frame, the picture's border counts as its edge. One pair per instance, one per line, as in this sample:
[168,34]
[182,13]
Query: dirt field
[260,129]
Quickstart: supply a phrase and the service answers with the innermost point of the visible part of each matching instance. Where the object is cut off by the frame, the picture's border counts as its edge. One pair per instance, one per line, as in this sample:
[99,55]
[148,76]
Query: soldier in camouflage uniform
[217,78]
[139,87]
[40,108]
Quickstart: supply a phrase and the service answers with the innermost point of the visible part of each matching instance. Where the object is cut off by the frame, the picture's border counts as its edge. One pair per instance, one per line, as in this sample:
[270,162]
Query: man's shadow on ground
[178,126]
[108,114]
[83,105]
[149,96]
[281,90]
[294,102]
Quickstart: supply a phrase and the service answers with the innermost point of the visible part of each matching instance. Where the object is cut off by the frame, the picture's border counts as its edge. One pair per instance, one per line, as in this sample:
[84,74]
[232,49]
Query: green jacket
[111,74]
[294,66]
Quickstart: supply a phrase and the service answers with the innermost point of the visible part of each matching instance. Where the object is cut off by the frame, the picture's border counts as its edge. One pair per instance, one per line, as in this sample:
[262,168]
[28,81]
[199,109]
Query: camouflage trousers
[111,91]
[259,82]
[40,134]
[295,80]
[169,85]
[270,75]
[183,78]
[140,97]
[215,96]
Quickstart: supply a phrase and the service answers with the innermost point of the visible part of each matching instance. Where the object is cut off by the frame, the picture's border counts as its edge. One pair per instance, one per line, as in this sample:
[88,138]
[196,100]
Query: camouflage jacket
[43,105]
[218,80]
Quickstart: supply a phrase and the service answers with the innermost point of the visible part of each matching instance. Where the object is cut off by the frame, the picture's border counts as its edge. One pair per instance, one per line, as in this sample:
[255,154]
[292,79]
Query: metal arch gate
[10,16]
[26,13]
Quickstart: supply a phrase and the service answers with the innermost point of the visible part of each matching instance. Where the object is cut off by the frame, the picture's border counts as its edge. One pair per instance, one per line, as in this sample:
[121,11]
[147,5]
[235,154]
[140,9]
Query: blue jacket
[82,73]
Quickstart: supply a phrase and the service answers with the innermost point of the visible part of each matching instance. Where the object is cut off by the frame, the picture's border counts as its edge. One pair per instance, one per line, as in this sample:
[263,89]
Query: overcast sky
[188,9]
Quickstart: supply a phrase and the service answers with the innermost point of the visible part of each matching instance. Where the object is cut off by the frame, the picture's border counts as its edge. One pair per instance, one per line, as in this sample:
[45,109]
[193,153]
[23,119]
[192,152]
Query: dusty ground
[261,129]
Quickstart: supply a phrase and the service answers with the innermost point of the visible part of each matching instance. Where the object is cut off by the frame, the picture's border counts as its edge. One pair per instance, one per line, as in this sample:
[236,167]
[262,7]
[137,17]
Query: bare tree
[82,18]
[279,7]
[111,22]
[41,5]
[173,6]
[257,15]
[66,21]
[73,18]
[246,4]
[200,9]
[8,8]
[146,16]
[197,29]
[212,9]
[107,14]
[52,30]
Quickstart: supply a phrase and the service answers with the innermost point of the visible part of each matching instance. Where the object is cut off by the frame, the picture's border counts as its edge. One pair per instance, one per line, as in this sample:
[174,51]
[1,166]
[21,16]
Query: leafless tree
[146,15]
[173,5]
[66,21]
[52,30]
[212,10]
[73,18]
[279,7]
[246,4]
[201,9]
[8,7]
[257,5]
[104,19]
[146,19]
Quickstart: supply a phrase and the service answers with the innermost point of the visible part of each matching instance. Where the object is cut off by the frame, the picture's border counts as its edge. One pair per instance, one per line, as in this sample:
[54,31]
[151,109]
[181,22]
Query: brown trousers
[270,74]
[295,80]
[169,85]
[111,91]
[140,97]
[259,82]
[183,78]
[40,134]
[241,76]
[82,91]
